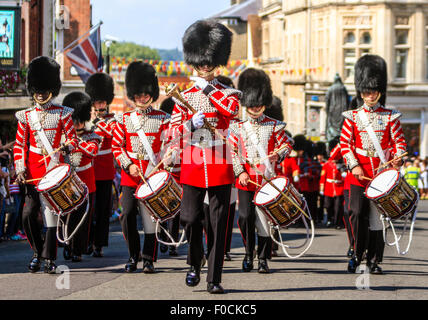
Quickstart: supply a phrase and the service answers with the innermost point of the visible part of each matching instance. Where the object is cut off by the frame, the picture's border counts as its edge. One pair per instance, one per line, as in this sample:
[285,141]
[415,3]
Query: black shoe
[148,267]
[247,264]
[50,267]
[375,269]
[193,276]
[173,251]
[66,252]
[214,288]
[140,257]
[76,258]
[98,252]
[227,257]
[352,265]
[163,248]
[89,250]
[131,266]
[263,266]
[350,252]
[35,264]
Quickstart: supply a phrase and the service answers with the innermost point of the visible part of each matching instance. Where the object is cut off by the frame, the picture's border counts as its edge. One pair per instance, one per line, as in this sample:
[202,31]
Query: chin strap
[42,102]
[256,114]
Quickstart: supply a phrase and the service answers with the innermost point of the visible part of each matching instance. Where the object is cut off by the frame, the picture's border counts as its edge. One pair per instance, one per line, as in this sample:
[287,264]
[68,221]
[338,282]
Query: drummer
[136,146]
[363,152]
[81,160]
[39,133]
[256,139]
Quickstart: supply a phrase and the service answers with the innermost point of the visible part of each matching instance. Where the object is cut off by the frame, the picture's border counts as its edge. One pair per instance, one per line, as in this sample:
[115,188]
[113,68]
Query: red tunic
[290,169]
[331,180]
[356,146]
[127,146]
[206,161]
[29,150]
[104,163]
[305,174]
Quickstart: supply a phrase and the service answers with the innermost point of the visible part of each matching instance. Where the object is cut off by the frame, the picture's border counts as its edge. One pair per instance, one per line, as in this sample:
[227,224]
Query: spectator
[423,188]
[412,173]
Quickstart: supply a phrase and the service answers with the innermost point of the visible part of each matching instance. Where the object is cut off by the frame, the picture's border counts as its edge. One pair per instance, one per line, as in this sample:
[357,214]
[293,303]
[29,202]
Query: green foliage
[131,50]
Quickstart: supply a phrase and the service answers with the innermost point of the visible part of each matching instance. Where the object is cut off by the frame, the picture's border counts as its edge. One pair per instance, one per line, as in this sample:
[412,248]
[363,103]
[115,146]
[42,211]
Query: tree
[131,50]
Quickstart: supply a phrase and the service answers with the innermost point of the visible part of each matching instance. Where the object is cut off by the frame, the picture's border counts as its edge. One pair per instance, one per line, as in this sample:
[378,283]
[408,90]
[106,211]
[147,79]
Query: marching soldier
[367,133]
[206,164]
[256,139]
[81,160]
[100,87]
[137,140]
[39,133]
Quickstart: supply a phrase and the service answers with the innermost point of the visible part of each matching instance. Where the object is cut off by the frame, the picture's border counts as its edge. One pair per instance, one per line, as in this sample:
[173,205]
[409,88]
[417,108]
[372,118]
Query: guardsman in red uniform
[39,133]
[81,160]
[206,162]
[137,141]
[331,187]
[367,134]
[256,140]
[317,163]
[100,87]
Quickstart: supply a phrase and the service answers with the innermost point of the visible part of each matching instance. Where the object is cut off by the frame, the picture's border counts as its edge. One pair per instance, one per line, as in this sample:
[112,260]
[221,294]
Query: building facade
[306,42]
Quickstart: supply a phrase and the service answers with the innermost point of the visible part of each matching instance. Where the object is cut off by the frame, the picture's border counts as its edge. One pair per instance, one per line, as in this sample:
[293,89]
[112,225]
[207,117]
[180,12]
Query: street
[319,275]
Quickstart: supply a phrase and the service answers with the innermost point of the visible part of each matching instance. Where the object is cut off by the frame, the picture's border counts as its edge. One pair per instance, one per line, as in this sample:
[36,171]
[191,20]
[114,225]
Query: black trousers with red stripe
[334,207]
[102,212]
[192,218]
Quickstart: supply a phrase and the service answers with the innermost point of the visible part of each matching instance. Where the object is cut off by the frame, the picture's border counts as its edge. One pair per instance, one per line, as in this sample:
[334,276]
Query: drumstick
[389,162]
[55,151]
[31,180]
[161,162]
[274,151]
[366,178]
[255,183]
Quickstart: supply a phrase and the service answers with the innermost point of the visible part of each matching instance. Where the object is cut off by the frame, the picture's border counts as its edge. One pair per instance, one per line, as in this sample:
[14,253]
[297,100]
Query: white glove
[321,193]
[296,179]
[199,82]
[198,119]
[344,174]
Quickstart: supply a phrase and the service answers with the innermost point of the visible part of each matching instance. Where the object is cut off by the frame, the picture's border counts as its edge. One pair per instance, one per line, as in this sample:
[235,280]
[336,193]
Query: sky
[158,24]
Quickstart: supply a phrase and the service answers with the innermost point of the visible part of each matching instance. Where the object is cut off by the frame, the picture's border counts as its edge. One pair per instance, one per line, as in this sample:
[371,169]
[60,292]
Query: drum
[276,206]
[62,189]
[161,195]
[392,195]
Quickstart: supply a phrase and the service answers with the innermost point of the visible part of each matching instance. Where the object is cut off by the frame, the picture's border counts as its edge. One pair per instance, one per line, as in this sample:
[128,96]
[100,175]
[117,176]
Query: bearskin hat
[141,78]
[275,110]
[81,103]
[167,105]
[333,143]
[226,81]
[320,149]
[256,88]
[299,142]
[371,74]
[43,76]
[100,87]
[207,42]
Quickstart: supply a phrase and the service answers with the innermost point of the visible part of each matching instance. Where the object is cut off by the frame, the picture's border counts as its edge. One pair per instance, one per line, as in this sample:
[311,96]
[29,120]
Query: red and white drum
[391,194]
[276,206]
[62,189]
[161,195]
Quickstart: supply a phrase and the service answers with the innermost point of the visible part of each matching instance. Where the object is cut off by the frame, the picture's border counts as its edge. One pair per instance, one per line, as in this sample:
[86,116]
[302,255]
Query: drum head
[382,183]
[54,177]
[156,181]
[267,193]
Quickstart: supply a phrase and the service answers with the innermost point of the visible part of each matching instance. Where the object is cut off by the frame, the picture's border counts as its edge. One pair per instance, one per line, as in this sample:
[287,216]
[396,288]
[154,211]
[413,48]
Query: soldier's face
[255,112]
[370,97]
[79,127]
[42,97]
[206,72]
[143,100]
[100,108]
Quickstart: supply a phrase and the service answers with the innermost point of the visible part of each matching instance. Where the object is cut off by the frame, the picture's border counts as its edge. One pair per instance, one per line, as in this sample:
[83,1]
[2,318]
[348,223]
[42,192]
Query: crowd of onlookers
[415,171]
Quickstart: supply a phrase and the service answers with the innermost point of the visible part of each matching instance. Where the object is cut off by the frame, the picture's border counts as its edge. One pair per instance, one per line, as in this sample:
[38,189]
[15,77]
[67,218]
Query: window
[401,63]
[349,38]
[366,38]
[401,46]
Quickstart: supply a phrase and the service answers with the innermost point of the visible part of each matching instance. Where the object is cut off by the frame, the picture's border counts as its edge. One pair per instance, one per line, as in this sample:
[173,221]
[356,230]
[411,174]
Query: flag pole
[72,43]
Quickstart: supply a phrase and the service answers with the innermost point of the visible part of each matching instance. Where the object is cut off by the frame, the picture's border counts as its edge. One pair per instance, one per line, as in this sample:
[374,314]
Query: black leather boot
[193,276]
[50,267]
[247,263]
[35,264]
[131,266]
[263,266]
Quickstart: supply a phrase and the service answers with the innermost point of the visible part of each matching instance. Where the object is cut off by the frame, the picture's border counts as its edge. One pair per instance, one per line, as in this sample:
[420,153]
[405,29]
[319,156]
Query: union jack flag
[86,56]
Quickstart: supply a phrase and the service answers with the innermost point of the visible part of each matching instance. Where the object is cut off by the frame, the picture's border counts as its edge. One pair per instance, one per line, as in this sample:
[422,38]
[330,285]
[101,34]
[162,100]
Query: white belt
[80,169]
[207,144]
[38,150]
[334,181]
[103,152]
[137,156]
[366,153]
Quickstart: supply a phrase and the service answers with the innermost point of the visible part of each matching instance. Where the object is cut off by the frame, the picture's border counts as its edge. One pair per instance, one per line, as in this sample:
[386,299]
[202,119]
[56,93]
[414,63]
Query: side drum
[278,207]
[391,194]
[161,195]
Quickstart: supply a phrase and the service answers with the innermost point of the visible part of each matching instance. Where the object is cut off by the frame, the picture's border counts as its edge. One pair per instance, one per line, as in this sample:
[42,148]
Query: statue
[337,101]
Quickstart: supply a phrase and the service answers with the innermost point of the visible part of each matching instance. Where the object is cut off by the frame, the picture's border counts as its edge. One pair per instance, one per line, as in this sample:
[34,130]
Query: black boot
[353,265]
[35,264]
[98,252]
[193,276]
[350,252]
[263,266]
[247,263]
[148,267]
[131,266]
[50,267]
[215,288]
[66,252]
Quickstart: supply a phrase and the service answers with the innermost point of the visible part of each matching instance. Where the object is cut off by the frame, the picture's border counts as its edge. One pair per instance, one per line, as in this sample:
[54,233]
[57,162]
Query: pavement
[320,274]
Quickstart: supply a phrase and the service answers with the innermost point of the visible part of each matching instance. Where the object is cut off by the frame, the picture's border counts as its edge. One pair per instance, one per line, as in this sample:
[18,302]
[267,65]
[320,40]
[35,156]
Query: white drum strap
[255,141]
[143,138]
[41,133]
[372,135]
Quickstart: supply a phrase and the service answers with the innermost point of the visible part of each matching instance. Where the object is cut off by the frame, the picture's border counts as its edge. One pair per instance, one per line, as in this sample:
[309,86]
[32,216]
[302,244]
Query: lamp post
[108,44]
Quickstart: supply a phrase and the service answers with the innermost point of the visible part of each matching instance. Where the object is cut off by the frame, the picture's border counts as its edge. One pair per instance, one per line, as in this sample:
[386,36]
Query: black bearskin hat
[141,78]
[43,76]
[167,105]
[81,103]
[299,142]
[333,143]
[100,87]
[207,42]
[256,88]
[320,149]
[226,81]
[371,74]
[275,110]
